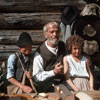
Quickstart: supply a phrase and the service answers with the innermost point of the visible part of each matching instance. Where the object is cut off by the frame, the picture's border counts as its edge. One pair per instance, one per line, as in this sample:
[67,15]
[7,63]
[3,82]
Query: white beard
[52,42]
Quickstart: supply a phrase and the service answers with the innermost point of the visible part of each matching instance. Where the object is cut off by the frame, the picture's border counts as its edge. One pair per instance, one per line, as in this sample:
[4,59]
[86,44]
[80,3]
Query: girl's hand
[89,61]
[91,88]
[76,89]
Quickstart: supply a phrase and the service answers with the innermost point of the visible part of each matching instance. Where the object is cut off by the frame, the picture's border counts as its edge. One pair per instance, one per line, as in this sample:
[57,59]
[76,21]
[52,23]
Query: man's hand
[58,68]
[26,89]
[28,74]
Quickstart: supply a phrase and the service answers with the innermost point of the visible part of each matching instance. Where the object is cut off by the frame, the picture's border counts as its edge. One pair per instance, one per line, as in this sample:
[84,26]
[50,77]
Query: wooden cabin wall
[18,16]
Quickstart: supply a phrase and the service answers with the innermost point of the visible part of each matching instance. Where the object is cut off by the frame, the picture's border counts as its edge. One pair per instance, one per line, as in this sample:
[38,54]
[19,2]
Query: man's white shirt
[38,72]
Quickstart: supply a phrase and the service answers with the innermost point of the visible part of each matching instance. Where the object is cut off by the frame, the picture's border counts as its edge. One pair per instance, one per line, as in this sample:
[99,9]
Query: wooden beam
[13,48]
[95,94]
[11,36]
[37,5]
[27,20]
[6,50]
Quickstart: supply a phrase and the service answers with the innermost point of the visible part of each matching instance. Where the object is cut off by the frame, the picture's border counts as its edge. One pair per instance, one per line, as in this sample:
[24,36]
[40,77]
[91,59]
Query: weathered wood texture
[18,16]
[37,5]
[10,37]
[6,50]
[94,94]
[26,20]
[12,48]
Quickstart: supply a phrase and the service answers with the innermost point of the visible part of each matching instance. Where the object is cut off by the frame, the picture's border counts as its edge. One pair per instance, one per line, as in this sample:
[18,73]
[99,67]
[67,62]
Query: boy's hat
[24,40]
[69,14]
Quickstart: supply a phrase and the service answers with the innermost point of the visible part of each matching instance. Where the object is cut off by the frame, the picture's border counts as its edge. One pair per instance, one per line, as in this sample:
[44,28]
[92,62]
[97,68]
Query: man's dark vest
[49,59]
[18,68]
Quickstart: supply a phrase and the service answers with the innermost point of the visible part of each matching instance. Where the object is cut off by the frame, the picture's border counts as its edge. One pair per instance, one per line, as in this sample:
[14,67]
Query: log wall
[18,16]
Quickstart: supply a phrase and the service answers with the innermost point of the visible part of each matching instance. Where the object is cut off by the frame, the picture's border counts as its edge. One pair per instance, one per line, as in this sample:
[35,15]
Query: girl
[76,66]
